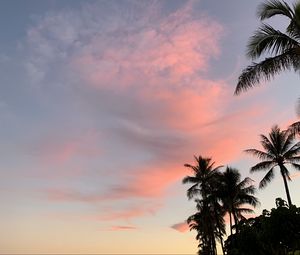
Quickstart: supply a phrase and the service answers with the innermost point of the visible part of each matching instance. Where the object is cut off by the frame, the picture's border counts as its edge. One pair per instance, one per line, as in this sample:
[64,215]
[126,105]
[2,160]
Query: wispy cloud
[140,75]
[61,148]
[122,228]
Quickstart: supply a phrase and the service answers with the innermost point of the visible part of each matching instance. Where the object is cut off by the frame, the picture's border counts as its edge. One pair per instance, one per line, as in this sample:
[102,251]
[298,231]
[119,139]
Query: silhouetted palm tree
[235,194]
[208,225]
[279,150]
[207,220]
[283,48]
[204,173]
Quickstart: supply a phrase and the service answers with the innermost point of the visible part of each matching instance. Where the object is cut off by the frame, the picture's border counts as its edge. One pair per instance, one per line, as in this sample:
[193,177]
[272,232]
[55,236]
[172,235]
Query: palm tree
[279,150]
[283,48]
[208,226]
[235,194]
[207,219]
[204,173]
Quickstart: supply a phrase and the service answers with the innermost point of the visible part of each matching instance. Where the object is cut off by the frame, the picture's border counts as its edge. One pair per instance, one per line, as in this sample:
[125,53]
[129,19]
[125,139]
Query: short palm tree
[235,194]
[279,150]
[283,49]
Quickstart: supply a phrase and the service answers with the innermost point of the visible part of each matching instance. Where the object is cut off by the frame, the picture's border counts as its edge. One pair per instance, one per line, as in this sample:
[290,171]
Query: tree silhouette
[235,194]
[279,150]
[204,174]
[274,232]
[208,221]
[283,49]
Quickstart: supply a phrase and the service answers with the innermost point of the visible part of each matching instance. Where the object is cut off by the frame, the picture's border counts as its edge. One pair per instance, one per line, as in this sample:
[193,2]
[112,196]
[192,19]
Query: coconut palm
[280,149]
[207,219]
[204,173]
[283,48]
[208,226]
[235,194]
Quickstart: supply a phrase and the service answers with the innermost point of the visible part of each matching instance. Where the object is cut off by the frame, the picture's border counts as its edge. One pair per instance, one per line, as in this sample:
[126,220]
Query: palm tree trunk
[282,168]
[214,246]
[222,244]
[221,241]
[230,222]
[220,236]
[236,221]
[219,229]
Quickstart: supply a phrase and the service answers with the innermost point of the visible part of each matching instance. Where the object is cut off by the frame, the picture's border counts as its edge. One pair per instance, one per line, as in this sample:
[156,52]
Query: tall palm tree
[204,179]
[283,49]
[235,194]
[279,150]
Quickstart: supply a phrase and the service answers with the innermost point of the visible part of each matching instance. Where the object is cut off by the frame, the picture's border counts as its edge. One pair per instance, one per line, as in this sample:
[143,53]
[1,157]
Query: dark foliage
[276,232]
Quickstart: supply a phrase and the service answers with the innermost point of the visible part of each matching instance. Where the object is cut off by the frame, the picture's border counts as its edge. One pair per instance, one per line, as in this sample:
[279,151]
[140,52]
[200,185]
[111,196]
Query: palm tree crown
[283,49]
[235,194]
[204,173]
[279,150]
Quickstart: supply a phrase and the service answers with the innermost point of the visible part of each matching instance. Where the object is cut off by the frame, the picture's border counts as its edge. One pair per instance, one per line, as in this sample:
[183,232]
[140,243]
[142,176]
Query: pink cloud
[147,183]
[139,209]
[151,78]
[181,227]
[122,228]
[171,51]
[60,149]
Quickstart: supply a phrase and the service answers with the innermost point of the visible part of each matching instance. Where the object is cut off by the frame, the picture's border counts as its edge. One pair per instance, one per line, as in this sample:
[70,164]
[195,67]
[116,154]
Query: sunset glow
[102,104]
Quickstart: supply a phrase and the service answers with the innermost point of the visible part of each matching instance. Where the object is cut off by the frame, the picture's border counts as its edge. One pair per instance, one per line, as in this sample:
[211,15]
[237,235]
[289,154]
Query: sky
[101,105]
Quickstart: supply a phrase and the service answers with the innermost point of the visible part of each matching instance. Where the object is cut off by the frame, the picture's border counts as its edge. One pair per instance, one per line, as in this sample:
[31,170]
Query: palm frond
[249,190]
[293,151]
[296,166]
[245,210]
[274,7]
[269,40]
[294,128]
[193,191]
[267,179]
[293,28]
[266,69]
[248,199]
[194,168]
[295,160]
[260,154]
[277,139]
[268,145]
[289,139]
[264,165]
[244,183]
[189,179]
